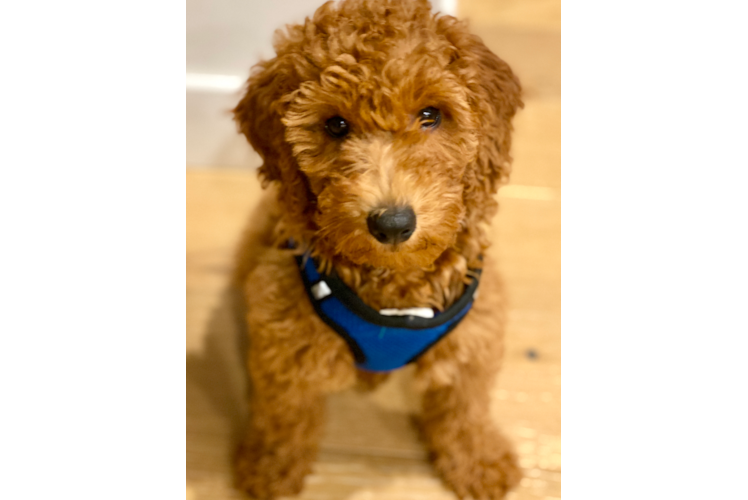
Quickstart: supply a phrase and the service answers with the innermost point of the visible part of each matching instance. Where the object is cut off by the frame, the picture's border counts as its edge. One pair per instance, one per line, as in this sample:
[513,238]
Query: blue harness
[379,343]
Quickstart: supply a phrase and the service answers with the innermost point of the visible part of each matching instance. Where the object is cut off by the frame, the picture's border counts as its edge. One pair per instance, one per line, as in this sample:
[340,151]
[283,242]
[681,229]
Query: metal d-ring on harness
[378,342]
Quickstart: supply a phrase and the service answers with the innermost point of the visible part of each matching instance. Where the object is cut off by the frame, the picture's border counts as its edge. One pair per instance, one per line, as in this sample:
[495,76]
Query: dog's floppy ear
[258,115]
[495,95]
[497,101]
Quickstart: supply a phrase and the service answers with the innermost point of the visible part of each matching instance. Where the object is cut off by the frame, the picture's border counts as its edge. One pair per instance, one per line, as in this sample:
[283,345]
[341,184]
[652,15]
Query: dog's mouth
[394,248]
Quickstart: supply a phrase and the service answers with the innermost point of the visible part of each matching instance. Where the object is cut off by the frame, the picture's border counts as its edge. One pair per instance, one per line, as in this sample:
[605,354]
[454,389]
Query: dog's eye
[337,127]
[430,117]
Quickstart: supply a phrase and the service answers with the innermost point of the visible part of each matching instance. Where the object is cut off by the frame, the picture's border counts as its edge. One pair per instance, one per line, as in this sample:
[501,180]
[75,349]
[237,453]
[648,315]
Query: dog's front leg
[294,361]
[281,441]
[290,379]
[456,378]
[465,445]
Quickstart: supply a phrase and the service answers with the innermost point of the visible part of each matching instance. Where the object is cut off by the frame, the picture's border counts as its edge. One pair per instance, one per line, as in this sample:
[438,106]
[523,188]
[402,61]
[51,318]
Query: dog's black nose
[394,225]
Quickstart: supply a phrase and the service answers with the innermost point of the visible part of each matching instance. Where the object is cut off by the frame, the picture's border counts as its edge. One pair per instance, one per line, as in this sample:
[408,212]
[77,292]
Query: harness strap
[378,342]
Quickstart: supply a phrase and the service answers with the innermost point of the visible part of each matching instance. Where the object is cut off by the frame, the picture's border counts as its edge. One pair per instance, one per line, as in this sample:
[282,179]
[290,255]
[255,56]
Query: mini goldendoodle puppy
[385,134]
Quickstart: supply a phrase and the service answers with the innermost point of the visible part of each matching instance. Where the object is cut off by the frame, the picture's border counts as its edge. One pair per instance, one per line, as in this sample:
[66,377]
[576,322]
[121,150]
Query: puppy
[385,134]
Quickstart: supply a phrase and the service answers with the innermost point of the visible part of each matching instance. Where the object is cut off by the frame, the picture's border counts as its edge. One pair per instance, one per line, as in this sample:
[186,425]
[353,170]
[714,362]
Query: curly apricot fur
[376,64]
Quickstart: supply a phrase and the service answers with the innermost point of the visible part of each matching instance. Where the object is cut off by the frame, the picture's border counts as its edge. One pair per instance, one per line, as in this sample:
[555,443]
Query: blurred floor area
[370,451]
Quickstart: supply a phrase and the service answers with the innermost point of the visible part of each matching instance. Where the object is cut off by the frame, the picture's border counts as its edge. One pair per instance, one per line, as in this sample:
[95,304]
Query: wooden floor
[370,451]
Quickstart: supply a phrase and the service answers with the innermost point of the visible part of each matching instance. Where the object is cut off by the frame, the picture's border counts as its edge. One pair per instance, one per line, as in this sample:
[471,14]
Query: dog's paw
[482,475]
[268,475]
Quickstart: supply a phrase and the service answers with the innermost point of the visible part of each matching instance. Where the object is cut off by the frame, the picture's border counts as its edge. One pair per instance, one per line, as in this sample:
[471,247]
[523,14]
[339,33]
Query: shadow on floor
[216,378]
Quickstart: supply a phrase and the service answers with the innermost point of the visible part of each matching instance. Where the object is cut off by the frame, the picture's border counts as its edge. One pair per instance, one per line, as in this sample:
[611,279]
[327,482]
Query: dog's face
[384,146]
[381,130]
